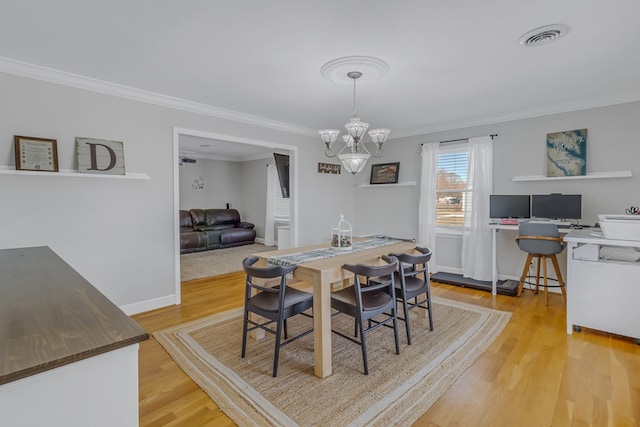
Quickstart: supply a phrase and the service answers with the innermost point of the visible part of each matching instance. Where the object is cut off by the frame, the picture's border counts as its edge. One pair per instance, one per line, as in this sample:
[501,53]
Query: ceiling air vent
[543,35]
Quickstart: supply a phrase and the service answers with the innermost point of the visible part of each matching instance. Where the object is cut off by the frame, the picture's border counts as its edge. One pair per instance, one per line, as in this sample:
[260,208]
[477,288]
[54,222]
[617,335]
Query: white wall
[519,149]
[118,233]
[253,187]
[222,184]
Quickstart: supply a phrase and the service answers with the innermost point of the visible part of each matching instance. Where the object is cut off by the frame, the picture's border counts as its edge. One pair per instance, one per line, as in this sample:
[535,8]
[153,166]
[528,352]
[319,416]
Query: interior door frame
[293,186]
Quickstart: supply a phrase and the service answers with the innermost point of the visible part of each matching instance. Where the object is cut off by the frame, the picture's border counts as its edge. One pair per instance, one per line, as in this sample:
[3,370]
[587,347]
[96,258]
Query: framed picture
[36,154]
[385,173]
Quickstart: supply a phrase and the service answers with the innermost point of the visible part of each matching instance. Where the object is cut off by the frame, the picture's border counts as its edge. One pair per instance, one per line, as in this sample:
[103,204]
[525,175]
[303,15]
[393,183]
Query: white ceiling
[451,63]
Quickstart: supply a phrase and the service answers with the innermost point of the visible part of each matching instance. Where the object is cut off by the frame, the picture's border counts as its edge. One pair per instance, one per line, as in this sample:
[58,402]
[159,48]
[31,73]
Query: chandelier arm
[329,153]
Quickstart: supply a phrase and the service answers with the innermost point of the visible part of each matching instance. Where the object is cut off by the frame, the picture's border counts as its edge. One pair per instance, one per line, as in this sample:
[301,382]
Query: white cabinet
[602,294]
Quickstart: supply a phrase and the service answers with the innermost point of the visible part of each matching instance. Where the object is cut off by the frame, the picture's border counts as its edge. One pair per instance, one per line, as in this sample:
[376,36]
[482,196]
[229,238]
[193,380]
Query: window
[281,205]
[452,186]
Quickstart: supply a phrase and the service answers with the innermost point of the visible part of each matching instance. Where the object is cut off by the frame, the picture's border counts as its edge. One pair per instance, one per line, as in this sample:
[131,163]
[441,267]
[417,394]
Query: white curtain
[427,206]
[476,236]
[269,223]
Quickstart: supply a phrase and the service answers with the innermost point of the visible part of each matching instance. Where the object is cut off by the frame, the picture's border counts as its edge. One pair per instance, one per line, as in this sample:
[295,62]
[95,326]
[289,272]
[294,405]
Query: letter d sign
[100,156]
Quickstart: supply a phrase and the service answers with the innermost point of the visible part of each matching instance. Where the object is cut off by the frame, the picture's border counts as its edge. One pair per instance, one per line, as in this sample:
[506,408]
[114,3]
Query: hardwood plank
[533,374]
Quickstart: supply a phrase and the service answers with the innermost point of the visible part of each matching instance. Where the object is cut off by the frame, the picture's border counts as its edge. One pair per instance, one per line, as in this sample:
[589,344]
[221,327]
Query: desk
[494,250]
[322,274]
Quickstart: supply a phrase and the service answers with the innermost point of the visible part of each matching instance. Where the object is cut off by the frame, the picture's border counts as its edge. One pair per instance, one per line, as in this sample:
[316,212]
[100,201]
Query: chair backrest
[265,273]
[540,238]
[377,277]
[417,263]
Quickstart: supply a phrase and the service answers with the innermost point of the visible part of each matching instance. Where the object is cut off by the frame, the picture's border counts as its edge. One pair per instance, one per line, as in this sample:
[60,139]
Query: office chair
[541,241]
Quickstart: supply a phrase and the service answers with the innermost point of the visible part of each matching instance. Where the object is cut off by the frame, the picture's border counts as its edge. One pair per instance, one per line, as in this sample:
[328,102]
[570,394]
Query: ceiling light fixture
[354,154]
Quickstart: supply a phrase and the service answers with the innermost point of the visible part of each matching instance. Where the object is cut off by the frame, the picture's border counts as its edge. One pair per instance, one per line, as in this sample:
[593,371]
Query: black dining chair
[274,303]
[370,300]
[413,286]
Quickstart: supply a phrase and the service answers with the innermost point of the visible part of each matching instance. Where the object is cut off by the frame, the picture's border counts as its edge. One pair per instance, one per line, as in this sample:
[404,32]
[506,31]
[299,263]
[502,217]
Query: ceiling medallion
[337,71]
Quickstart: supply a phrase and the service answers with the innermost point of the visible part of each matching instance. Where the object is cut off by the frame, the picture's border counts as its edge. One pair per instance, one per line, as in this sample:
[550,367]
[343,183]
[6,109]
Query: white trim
[37,72]
[568,107]
[593,175]
[9,170]
[398,184]
[148,305]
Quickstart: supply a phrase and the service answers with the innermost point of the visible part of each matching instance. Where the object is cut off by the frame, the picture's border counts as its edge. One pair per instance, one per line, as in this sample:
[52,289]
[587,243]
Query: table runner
[321,253]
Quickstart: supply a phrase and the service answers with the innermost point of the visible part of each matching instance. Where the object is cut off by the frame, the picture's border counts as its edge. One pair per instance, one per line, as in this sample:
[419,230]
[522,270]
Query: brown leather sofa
[206,229]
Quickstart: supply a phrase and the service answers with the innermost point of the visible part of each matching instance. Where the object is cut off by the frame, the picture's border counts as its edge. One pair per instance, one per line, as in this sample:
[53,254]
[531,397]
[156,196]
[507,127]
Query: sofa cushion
[197,216]
[185,220]
[236,237]
[192,241]
[214,217]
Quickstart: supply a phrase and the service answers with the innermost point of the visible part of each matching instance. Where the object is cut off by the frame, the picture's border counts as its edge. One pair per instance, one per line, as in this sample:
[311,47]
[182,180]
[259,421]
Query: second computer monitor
[556,206]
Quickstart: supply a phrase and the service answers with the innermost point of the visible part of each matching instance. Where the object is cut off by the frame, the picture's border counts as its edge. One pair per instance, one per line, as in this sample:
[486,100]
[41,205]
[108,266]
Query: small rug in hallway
[218,261]
[397,391]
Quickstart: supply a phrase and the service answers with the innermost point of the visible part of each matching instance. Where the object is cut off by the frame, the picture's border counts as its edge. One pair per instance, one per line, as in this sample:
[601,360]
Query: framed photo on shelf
[36,154]
[385,173]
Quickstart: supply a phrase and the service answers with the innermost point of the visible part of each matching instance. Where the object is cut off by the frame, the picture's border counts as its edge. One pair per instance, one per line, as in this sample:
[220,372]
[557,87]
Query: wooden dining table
[323,274]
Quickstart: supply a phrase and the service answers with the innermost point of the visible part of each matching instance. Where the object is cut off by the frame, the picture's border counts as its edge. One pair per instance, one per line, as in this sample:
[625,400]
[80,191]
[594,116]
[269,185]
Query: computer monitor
[556,206]
[509,206]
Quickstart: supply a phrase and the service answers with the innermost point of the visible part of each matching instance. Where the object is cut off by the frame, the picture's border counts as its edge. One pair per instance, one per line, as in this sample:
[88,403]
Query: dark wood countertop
[51,316]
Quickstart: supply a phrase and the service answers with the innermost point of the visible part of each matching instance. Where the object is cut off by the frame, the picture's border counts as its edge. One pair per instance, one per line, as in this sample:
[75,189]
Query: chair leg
[540,259]
[554,260]
[276,354]
[428,302]
[523,277]
[245,325]
[395,329]
[543,259]
[286,334]
[363,344]
[406,319]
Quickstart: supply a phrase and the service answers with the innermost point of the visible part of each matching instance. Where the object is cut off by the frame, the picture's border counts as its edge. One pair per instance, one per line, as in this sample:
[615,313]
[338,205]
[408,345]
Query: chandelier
[354,154]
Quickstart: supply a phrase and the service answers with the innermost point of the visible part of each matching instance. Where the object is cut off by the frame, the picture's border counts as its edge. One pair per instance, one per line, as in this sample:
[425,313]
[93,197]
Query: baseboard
[148,305]
[259,240]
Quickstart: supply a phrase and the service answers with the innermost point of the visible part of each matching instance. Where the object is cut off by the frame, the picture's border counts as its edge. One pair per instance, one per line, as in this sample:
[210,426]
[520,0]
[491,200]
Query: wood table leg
[321,327]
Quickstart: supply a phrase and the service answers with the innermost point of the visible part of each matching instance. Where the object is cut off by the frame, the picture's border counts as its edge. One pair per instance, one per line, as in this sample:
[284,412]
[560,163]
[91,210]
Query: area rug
[218,261]
[397,391]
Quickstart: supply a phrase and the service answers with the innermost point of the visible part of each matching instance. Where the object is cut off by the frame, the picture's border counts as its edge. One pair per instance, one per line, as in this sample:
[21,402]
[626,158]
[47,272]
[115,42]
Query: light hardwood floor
[534,374]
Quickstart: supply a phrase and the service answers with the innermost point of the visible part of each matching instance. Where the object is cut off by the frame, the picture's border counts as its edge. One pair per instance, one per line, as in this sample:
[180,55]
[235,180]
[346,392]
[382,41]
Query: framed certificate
[36,154]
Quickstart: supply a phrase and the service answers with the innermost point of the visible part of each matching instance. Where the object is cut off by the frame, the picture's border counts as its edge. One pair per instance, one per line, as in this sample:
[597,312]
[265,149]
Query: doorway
[241,143]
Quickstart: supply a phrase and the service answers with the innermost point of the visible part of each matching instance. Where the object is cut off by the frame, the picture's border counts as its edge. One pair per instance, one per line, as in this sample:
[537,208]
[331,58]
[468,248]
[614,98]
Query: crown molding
[584,104]
[37,72]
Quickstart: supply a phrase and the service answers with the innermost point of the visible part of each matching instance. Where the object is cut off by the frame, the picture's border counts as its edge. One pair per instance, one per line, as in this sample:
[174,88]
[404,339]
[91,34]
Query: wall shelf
[399,184]
[74,173]
[594,175]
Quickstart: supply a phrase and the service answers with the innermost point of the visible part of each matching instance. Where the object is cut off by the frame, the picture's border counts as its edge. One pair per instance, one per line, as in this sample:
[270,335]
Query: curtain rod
[493,135]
